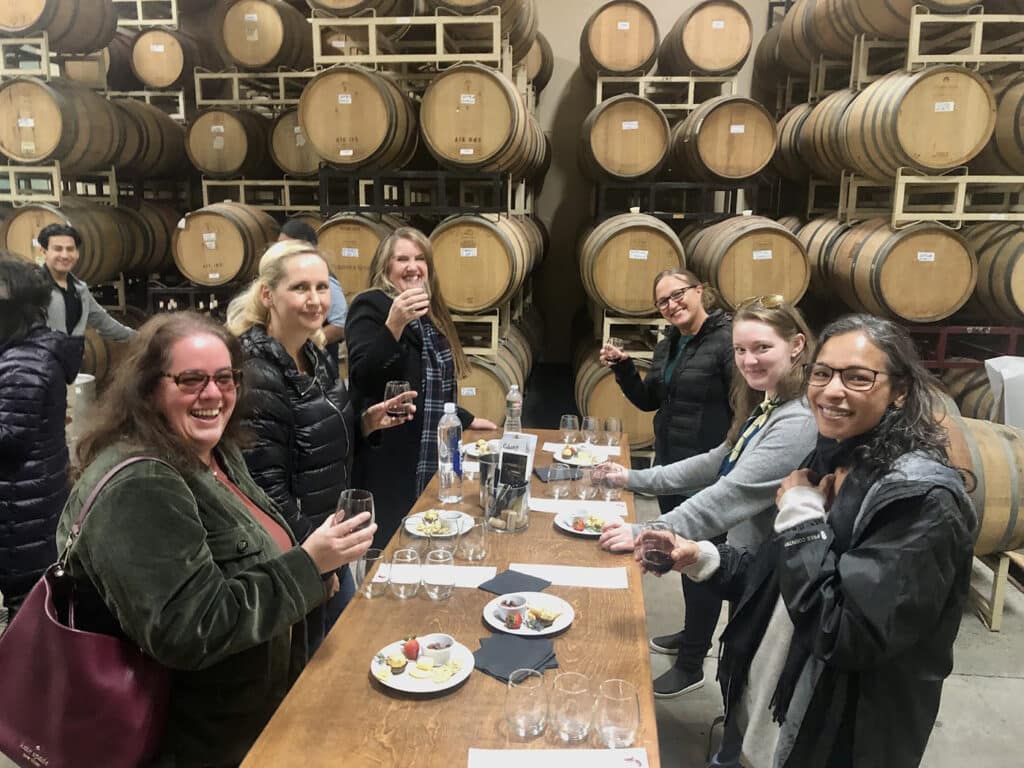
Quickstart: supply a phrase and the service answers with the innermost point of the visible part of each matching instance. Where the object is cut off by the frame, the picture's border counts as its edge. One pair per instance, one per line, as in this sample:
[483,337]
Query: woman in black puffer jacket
[297,407]
[36,365]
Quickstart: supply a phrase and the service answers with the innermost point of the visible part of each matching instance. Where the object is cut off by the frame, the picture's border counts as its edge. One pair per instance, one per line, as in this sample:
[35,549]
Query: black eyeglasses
[676,296]
[854,378]
[194,382]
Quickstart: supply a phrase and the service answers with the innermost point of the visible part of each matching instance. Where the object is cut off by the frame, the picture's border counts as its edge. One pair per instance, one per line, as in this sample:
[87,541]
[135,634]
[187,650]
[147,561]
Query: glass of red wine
[393,389]
[353,502]
[657,540]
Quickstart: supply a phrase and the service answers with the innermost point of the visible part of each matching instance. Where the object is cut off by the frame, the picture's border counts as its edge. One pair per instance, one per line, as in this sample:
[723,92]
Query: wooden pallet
[139,14]
[989,607]
[248,89]
[285,194]
[970,39]
[671,93]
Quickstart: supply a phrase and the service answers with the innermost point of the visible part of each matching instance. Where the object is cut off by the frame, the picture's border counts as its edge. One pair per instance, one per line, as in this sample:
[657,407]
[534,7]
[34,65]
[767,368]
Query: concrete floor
[981,701]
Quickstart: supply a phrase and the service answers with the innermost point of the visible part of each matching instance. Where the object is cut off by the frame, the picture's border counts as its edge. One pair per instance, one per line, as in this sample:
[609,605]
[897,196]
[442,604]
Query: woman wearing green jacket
[192,561]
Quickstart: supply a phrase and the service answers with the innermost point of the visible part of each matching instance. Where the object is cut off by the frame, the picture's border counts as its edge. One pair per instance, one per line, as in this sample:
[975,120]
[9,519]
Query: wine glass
[612,430]
[655,547]
[404,576]
[572,706]
[591,426]
[366,570]
[558,478]
[439,574]
[410,538]
[583,483]
[526,704]
[352,502]
[451,528]
[393,389]
[617,714]
[569,425]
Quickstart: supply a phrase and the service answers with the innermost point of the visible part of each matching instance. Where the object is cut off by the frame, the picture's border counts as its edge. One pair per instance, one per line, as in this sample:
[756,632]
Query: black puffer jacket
[303,425]
[693,407]
[34,375]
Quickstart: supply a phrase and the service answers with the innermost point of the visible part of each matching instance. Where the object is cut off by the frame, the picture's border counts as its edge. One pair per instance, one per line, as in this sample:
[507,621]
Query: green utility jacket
[198,584]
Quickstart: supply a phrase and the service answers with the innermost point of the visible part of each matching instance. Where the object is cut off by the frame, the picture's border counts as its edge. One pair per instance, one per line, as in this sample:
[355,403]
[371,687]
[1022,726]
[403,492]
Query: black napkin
[500,655]
[514,581]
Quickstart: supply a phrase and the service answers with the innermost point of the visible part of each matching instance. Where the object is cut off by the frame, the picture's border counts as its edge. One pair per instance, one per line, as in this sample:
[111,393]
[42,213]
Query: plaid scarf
[750,428]
[438,388]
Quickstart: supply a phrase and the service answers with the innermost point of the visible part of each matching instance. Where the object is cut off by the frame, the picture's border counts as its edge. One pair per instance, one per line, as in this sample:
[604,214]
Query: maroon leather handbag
[75,698]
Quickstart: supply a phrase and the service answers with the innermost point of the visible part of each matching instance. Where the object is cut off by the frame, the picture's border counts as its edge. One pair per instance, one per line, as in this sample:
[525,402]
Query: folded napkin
[514,581]
[500,655]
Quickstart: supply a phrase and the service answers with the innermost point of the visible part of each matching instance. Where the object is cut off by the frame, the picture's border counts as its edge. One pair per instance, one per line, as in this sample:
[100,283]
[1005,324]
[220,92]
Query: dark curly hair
[125,412]
[24,298]
[912,426]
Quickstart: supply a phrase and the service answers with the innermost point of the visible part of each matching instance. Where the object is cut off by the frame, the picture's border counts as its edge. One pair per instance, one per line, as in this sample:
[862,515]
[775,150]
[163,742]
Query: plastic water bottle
[449,456]
[514,409]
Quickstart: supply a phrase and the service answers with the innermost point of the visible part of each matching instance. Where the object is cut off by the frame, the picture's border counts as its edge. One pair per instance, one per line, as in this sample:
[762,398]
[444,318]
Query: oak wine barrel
[712,38]
[289,148]
[934,120]
[728,137]
[472,117]
[58,120]
[821,141]
[265,35]
[1004,153]
[348,242]
[625,137]
[621,256]
[818,238]
[788,160]
[971,391]
[166,58]
[767,70]
[796,48]
[154,145]
[160,221]
[72,26]
[483,390]
[228,143]
[792,223]
[995,455]
[540,63]
[110,68]
[481,261]
[749,256]
[519,20]
[355,118]
[222,242]
[920,274]
[619,38]
[1000,289]
[597,394]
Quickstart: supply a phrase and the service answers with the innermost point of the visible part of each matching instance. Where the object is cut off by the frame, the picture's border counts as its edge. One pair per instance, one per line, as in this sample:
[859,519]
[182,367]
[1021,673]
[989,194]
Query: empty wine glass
[448,537]
[366,570]
[591,426]
[612,430]
[526,704]
[572,706]
[569,426]
[617,714]
[394,389]
[352,502]
[656,546]
[558,479]
[583,483]
[410,538]
[405,573]
[439,574]
[472,538]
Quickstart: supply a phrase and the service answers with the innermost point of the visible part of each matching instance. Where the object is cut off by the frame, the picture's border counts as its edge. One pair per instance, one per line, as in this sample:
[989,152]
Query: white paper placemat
[603,450]
[469,576]
[557,758]
[605,509]
[471,466]
[576,575]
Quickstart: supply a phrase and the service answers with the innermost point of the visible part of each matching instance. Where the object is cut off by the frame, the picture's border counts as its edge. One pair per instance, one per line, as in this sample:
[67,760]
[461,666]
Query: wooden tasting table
[337,714]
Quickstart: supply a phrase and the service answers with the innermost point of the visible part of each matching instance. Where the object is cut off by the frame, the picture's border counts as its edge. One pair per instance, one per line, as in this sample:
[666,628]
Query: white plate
[593,458]
[408,684]
[471,449]
[564,520]
[536,600]
[412,520]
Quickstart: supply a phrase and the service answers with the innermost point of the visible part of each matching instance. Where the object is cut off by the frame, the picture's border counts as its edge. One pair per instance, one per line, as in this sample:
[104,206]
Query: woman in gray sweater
[731,489]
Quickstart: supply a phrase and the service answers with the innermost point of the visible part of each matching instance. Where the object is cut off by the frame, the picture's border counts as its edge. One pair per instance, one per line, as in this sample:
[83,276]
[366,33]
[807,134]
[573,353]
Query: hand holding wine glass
[611,475]
[353,502]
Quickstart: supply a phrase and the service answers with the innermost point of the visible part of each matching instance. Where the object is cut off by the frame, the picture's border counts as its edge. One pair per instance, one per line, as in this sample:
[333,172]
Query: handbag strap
[76,527]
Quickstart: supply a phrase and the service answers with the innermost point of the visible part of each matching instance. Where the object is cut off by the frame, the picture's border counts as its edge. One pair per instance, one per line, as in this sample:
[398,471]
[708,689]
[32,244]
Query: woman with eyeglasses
[844,622]
[688,385]
[183,553]
[730,489]
[298,408]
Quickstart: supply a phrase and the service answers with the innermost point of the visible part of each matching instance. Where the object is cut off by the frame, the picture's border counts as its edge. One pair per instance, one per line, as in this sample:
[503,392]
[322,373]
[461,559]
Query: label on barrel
[622,26]
[156,47]
[631,125]
[209,237]
[344,98]
[181,223]
[217,129]
[26,122]
[467,98]
[251,17]
[346,152]
[218,142]
[300,140]
[945,106]
[350,253]
[28,147]
[637,255]
[252,34]
[718,23]
[468,391]
[467,151]
[213,276]
[738,128]
[467,251]
[762,255]
[926,256]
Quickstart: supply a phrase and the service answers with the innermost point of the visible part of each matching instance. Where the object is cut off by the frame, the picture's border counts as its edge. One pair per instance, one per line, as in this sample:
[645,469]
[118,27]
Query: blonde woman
[298,408]
[400,329]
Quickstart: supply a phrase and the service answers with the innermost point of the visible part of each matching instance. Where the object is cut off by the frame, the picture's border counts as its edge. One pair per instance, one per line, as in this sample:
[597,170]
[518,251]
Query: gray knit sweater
[742,502]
